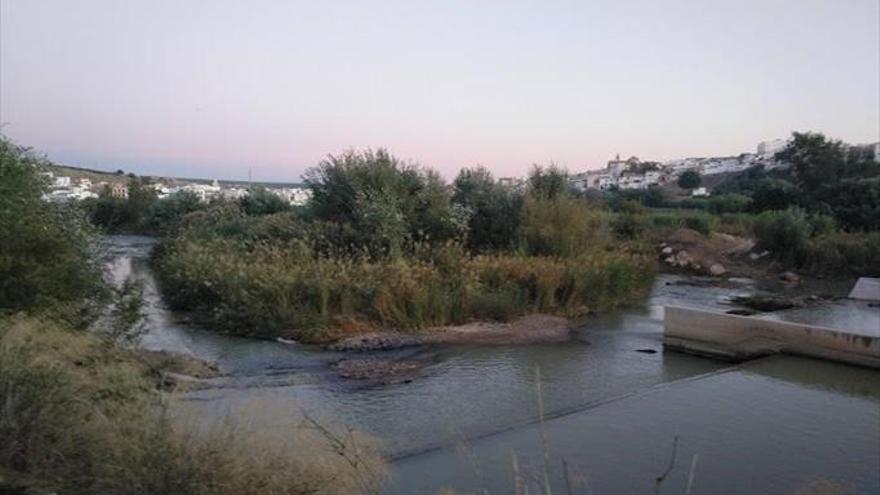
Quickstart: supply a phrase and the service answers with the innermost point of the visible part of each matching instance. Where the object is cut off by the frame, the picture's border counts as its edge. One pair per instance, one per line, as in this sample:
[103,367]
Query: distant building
[772,147]
[513,182]
[699,192]
[119,190]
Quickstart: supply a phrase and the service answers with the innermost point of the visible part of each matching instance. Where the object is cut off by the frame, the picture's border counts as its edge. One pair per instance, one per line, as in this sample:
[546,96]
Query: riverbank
[82,415]
[432,399]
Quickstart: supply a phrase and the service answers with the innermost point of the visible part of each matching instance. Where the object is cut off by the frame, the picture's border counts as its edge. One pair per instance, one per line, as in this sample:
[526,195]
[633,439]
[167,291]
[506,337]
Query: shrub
[389,203]
[262,202]
[729,203]
[689,179]
[784,233]
[703,223]
[494,210]
[562,226]
[840,252]
[47,256]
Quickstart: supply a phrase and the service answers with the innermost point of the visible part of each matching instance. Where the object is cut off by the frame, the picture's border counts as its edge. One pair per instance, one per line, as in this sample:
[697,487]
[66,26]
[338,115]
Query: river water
[613,401]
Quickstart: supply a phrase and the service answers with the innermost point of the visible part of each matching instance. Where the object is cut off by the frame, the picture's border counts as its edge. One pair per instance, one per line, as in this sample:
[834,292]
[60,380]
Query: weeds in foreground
[79,416]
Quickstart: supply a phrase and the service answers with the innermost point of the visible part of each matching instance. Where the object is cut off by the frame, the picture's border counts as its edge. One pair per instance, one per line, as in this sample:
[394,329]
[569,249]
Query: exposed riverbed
[613,401]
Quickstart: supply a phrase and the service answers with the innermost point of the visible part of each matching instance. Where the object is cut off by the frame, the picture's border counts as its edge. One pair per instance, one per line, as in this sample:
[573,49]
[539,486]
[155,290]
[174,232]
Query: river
[614,403]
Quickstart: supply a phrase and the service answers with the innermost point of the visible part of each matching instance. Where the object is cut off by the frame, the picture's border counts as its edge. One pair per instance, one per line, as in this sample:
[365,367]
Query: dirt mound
[716,255]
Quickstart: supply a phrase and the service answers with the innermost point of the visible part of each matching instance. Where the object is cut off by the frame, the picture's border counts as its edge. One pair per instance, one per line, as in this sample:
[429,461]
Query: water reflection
[611,411]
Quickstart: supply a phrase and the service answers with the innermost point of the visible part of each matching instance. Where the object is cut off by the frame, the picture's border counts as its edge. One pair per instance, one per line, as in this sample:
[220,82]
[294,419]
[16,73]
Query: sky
[213,88]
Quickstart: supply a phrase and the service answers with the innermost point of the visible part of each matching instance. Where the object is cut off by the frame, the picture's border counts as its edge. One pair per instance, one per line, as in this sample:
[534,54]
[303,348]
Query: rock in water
[717,270]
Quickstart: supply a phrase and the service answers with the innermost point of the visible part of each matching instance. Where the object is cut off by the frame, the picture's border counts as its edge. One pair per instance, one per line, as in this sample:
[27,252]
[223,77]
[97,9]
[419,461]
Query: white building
[771,147]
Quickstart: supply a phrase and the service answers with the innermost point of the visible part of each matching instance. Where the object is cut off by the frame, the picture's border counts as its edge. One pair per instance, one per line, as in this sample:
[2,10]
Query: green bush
[562,226]
[494,210]
[47,257]
[703,223]
[840,252]
[786,234]
[389,203]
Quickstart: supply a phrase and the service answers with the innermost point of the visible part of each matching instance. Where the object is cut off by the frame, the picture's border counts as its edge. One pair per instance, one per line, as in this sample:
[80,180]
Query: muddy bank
[529,329]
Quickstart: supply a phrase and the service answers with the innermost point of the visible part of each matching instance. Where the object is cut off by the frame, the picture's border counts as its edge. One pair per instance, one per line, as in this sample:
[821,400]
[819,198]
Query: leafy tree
[388,203]
[260,201]
[494,209]
[46,256]
[167,212]
[689,179]
[815,159]
[773,194]
[548,183]
[834,179]
[855,203]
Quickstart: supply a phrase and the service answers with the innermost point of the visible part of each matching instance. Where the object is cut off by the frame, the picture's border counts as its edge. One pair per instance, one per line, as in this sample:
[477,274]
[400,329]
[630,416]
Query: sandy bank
[531,329]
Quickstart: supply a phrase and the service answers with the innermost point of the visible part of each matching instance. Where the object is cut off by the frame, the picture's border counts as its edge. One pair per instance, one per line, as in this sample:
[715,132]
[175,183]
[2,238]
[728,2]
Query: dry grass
[79,415]
[266,289]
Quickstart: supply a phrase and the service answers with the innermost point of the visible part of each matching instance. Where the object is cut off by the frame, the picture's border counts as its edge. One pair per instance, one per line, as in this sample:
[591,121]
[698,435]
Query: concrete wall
[740,338]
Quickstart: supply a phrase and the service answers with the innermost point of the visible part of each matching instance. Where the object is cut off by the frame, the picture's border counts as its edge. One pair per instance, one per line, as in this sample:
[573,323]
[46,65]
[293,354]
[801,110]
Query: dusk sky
[213,88]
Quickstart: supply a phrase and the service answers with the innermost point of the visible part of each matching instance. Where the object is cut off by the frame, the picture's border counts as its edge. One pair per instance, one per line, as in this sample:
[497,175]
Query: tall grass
[80,416]
[269,289]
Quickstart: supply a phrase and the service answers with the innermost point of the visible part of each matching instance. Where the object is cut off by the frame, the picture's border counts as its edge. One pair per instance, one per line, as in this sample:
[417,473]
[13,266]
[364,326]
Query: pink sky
[213,88]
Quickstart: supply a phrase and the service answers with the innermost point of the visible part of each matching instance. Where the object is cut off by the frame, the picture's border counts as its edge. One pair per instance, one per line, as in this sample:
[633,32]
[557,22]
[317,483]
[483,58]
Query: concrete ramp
[740,338]
[867,289]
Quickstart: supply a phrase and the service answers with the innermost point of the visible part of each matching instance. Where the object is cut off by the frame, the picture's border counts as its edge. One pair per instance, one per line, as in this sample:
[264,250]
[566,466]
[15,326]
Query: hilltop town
[69,183]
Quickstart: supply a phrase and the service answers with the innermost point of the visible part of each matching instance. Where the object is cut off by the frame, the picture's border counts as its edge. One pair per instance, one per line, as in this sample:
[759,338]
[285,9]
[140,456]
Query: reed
[270,289]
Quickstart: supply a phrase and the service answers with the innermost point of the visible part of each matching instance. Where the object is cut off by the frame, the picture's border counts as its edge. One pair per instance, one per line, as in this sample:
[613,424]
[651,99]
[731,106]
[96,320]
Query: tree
[165,213]
[689,179]
[493,209]
[815,159]
[388,203]
[46,254]
[773,194]
[548,183]
[835,179]
[260,201]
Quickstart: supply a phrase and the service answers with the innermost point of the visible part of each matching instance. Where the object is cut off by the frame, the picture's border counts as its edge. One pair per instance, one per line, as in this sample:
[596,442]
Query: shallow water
[612,408]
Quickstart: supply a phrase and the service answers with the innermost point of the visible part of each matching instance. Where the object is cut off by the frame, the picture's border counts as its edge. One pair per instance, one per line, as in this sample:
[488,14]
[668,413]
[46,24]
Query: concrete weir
[739,338]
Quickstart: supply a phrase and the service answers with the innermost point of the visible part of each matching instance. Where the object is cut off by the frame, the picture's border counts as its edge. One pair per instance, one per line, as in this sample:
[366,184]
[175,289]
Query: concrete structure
[866,289]
[740,338]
